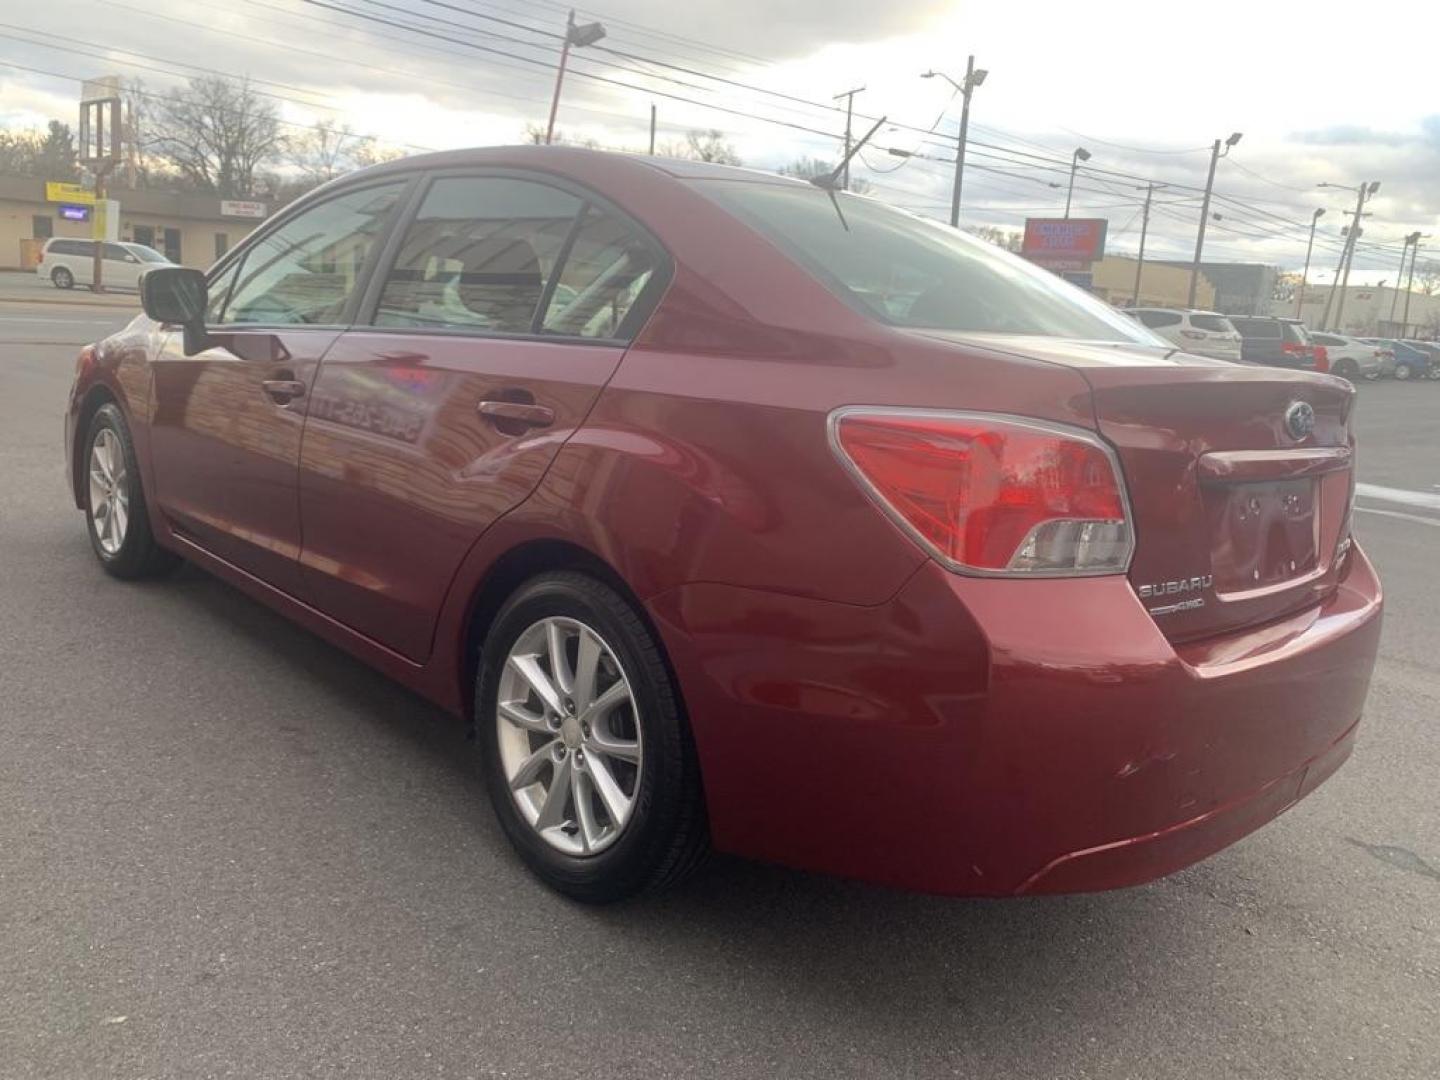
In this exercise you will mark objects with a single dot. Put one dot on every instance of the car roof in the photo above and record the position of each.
(573, 159)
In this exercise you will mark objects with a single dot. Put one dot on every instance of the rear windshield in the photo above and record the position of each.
(907, 271)
(1216, 324)
(1257, 328)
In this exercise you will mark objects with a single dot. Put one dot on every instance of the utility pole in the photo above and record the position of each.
(1144, 228)
(652, 129)
(1305, 274)
(1215, 156)
(1080, 154)
(849, 96)
(578, 35)
(1413, 238)
(973, 77)
(1410, 284)
(1347, 254)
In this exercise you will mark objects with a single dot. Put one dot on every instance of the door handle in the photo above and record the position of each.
(516, 412)
(283, 391)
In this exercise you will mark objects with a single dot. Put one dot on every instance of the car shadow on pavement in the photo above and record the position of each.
(891, 957)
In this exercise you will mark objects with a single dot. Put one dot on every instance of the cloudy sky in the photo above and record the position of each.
(1322, 92)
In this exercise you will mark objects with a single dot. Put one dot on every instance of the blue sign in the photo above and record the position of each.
(70, 212)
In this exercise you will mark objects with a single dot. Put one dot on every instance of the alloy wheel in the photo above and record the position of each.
(569, 736)
(109, 491)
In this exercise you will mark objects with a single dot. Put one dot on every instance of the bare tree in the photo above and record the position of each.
(1004, 238)
(1427, 276)
(807, 168)
(324, 152)
(218, 133)
(370, 151)
(711, 145)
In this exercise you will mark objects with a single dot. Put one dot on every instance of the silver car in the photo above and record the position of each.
(1352, 359)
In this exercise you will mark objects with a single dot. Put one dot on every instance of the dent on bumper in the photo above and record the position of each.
(987, 737)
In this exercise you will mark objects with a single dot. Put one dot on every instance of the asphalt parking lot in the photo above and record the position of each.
(229, 850)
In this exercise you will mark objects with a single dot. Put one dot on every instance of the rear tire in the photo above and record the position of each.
(115, 512)
(1403, 371)
(62, 278)
(647, 767)
(1347, 369)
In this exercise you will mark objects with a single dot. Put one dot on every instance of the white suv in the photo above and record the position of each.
(66, 263)
(1205, 333)
(1351, 358)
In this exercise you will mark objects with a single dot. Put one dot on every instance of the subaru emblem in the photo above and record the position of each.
(1299, 419)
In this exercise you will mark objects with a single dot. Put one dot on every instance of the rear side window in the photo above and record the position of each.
(606, 269)
(478, 255)
(1326, 339)
(71, 247)
(305, 271)
(1159, 318)
(1213, 324)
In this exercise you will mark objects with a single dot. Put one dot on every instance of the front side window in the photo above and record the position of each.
(306, 271)
(478, 255)
(908, 271)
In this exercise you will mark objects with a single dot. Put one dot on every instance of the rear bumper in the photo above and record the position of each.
(992, 737)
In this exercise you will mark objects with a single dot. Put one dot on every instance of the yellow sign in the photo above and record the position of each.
(68, 193)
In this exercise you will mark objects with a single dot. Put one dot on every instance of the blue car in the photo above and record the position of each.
(1410, 362)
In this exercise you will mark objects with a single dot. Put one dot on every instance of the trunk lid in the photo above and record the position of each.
(1238, 519)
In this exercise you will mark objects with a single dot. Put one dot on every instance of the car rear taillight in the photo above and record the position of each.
(1322, 358)
(84, 361)
(992, 494)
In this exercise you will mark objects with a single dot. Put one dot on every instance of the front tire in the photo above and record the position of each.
(62, 278)
(1347, 369)
(115, 513)
(584, 744)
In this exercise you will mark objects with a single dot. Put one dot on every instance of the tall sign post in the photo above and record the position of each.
(100, 151)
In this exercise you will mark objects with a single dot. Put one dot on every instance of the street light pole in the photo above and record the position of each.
(1413, 238)
(1215, 155)
(1144, 228)
(1410, 283)
(1080, 154)
(1347, 255)
(849, 96)
(578, 35)
(973, 77)
(1309, 246)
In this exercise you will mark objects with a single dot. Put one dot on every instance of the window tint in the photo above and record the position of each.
(607, 267)
(1159, 318)
(1295, 334)
(72, 247)
(147, 254)
(477, 255)
(1326, 339)
(905, 270)
(306, 270)
(1257, 328)
(116, 253)
(1215, 324)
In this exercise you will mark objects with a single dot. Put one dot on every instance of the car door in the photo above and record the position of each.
(226, 422)
(505, 306)
(122, 268)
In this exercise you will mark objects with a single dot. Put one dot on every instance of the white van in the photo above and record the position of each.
(66, 263)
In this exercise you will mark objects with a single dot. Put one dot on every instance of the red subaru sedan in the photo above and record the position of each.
(734, 513)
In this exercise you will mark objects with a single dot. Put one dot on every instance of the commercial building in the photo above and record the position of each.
(1240, 288)
(193, 230)
(1369, 311)
(1161, 284)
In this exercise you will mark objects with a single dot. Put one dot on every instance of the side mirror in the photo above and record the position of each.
(177, 295)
